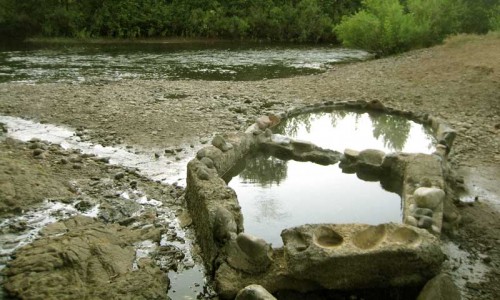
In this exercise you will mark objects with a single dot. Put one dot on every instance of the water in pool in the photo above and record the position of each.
(276, 194)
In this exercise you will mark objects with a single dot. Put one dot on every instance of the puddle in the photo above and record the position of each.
(180, 290)
(339, 130)
(189, 282)
(275, 194)
(164, 169)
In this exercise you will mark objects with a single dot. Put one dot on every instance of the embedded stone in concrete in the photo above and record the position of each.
(368, 256)
(249, 254)
(207, 162)
(299, 150)
(375, 105)
(371, 157)
(254, 292)
(440, 287)
(220, 143)
(224, 224)
(425, 222)
(447, 134)
(428, 197)
(351, 154)
(302, 146)
(265, 122)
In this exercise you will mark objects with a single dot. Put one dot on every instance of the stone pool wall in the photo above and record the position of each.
(323, 256)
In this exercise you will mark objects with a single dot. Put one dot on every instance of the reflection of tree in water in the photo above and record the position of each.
(429, 133)
(265, 170)
(292, 125)
(269, 209)
(392, 129)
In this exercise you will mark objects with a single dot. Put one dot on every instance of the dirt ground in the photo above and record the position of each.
(458, 81)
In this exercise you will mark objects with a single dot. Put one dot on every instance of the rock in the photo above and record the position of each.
(254, 292)
(35, 145)
(119, 175)
(250, 254)
(252, 246)
(83, 205)
(423, 212)
(352, 256)
(446, 134)
(428, 197)
(203, 173)
(227, 147)
(219, 142)
(440, 287)
(185, 219)
(302, 146)
(263, 122)
(375, 105)
(224, 224)
(371, 157)
(410, 220)
(91, 261)
(351, 154)
(425, 222)
(369, 164)
(208, 162)
(37, 152)
(169, 151)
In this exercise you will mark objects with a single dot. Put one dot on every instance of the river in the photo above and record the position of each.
(205, 60)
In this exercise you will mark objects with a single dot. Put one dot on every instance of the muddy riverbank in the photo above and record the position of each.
(458, 82)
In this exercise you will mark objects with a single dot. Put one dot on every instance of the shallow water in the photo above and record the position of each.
(207, 61)
(275, 194)
(163, 168)
(188, 283)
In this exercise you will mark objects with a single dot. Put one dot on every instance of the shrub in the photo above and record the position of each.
(494, 18)
(382, 27)
(387, 27)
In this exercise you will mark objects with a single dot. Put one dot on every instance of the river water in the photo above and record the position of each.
(81, 63)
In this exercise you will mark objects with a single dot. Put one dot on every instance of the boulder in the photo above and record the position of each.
(426, 197)
(250, 254)
(254, 292)
(90, 261)
(440, 287)
(357, 256)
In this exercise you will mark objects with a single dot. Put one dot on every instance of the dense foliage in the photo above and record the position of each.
(296, 20)
(391, 26)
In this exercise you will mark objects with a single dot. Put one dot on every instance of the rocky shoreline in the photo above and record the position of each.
(458, 82)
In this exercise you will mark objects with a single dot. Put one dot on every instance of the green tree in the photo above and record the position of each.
(265, 170)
